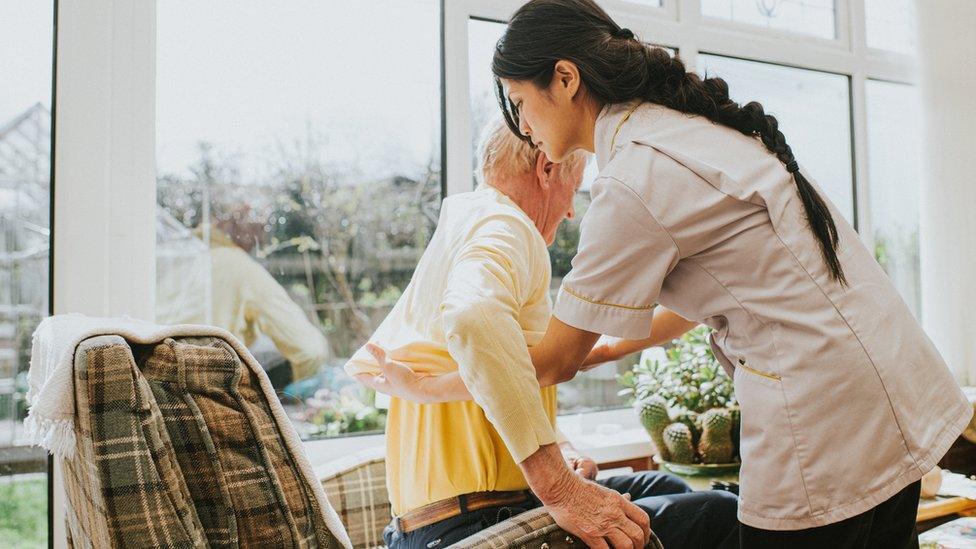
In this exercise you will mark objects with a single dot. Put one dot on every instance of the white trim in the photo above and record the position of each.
(104, 173)
(457, 106)
(859, 127)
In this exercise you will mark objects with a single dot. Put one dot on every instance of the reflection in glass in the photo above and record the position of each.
(26, 36)
(813, 17)
(894, 164)
(814, 113)
(298, 182)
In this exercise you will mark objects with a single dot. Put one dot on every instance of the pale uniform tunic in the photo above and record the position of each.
(844, 399)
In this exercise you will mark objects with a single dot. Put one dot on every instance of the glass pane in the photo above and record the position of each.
(894, 163)
(26, 56)
(814, 113)
(298, 181)
(596, 389)
(813, 17)
(891, 25)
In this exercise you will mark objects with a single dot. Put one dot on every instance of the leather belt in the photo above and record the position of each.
(452, 507)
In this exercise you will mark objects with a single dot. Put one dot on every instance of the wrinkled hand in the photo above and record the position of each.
(396, 379)
(601, 517)
(584, 467)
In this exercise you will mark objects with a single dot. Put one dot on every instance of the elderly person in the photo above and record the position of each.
(478, 299)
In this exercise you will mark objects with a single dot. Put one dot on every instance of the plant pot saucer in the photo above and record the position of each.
(698, 469)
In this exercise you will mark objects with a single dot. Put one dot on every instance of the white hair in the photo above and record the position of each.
(501, 153)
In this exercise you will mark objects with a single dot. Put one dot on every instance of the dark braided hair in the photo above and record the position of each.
(615, 67)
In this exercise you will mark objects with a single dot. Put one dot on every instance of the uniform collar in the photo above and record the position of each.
(609, 125)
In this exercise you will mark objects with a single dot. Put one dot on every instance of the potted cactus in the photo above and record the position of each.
(687, 404)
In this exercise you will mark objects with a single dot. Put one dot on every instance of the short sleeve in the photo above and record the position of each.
(623, 258)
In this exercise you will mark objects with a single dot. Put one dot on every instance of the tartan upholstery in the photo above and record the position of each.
(356, 486)
(180, 449)
(123, 488)
(205, 388)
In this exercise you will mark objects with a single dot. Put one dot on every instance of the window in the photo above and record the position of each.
(298, 183)
(813, 17)
(894, 157)
(814, 113)
(891, 25)
(26, 56)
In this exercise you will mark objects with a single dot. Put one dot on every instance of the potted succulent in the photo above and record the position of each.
(687, 404)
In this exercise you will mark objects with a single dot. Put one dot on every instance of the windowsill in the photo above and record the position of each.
(606, 437)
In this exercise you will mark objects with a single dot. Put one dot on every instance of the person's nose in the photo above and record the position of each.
(571, 213)
(524, 127)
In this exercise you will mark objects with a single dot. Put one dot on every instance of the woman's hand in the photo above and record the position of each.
(396, 379)
(601, 353)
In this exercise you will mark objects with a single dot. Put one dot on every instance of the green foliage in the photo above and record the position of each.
(678, 439)
(332, 413)
(686, 402)
(655, 418)
(563, 248)
(716, 440)
(23, 512)
(692, 420)
(689, 379)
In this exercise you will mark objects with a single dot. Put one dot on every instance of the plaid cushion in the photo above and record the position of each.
(195, 449)
(135, 495)
(356, 487)
(229, 480)
(206, 388)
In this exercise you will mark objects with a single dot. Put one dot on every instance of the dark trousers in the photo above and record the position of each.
(679, 517)
(890, 525)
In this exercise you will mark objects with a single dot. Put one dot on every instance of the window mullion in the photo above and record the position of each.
(689, 21)
(854, 10)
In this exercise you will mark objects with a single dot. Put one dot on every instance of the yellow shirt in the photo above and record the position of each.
(478, 298)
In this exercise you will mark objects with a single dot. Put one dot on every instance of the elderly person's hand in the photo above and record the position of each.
(599, 516)
(396, 379)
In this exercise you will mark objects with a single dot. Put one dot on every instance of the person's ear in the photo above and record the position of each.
(566, 77)
(544, 170)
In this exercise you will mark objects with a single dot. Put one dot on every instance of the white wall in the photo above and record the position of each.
(947, 221)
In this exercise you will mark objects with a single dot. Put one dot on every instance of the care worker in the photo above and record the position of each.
(702, 207)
